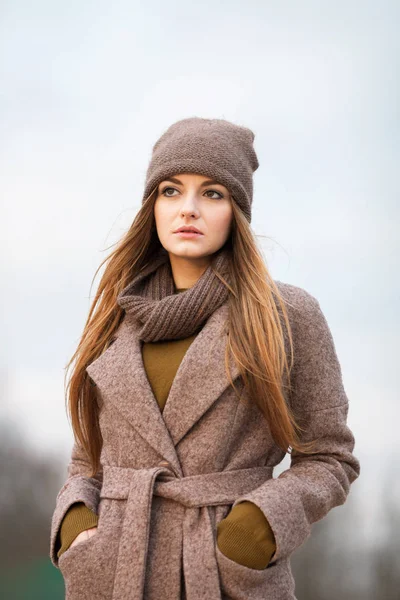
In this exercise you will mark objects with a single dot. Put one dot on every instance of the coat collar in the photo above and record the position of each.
(200, 380)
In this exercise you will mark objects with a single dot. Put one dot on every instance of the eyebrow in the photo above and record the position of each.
(207, 182)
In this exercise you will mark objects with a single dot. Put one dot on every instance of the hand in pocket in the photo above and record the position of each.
(84, 535)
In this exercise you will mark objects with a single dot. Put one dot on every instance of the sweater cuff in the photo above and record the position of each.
(245, 536)
(77, 519)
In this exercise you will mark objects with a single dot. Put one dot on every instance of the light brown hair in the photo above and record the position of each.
(256, 310)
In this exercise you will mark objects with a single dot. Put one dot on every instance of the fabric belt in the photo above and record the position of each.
(196, 493)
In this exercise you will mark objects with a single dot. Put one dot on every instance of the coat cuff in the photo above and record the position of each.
(312, 486)
(76, 489)
(283, 509)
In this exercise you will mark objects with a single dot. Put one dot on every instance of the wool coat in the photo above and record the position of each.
(167, 479)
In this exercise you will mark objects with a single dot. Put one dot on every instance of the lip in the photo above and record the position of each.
(188, 234)
(190, 228)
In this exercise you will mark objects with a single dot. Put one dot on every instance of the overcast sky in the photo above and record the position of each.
(86, 90)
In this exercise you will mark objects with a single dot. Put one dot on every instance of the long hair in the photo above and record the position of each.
(256, 310)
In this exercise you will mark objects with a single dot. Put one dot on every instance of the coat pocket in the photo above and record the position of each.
(88, 568)
(72, 550)
(239, 582)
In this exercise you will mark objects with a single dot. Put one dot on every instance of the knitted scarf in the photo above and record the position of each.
(163, 314)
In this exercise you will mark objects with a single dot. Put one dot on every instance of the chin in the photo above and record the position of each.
(191, 253)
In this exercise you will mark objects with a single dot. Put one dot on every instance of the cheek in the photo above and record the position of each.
(162, 213)
(220, 222)
(157, 210)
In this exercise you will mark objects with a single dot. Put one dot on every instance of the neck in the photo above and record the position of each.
(186, 272)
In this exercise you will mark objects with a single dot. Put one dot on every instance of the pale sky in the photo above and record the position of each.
(87, 89)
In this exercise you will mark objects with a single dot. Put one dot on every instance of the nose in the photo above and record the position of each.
(189, 205)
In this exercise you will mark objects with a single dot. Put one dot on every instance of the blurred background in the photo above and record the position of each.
(86, 90)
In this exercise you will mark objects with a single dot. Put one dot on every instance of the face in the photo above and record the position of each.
(190, 199)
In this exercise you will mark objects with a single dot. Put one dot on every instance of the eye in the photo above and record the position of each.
(214, 192)
(163, 192)
(167, 188)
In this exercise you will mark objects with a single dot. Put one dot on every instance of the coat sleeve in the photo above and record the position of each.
(78, 487)
(314, 483)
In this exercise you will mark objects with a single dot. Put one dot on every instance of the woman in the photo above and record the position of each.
(195, 374)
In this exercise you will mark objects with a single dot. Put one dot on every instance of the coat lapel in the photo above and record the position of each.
(200, 379)
(121, 378)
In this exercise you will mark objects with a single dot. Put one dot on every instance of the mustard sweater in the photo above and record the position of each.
(245, 535)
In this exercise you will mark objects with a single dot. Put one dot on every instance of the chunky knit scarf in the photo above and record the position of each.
(151, 299)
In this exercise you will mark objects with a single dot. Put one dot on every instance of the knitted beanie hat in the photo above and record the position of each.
(212, 147)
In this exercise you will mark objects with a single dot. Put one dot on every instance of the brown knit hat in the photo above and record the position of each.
(212, 147)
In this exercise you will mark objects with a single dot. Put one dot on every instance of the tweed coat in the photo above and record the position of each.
(167, 479)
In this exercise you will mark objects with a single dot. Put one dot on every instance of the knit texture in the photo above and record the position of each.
(78, 518)
(151, 301)
(216, 148)
(246, 537)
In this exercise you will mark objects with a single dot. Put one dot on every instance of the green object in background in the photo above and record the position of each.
(36, 580)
